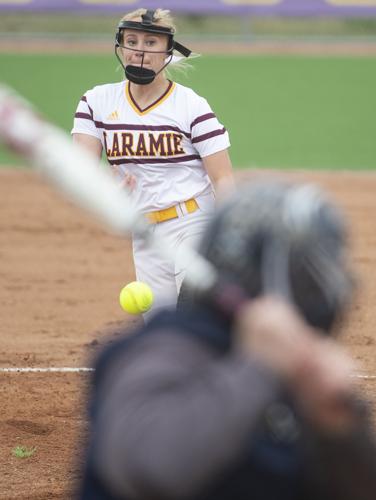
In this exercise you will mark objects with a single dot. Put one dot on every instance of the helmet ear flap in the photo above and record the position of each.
(180, 48)
(170, 45)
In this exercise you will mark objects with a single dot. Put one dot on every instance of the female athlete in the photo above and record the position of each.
(163, 142)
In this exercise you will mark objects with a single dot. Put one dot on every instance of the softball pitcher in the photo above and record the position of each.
(162, 141)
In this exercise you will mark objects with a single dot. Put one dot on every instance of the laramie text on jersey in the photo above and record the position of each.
(143, 144)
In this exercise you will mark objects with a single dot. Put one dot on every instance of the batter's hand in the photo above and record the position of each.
(315, 368)
(270, 330)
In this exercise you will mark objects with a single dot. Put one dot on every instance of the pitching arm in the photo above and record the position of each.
(90, 143)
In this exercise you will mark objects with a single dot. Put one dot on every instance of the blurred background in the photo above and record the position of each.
(292, 80)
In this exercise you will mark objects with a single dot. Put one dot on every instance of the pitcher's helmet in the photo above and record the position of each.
(148, 24)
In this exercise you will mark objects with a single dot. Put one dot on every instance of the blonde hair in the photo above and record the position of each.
(162, 17)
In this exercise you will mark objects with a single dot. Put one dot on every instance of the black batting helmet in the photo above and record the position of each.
(283, 239)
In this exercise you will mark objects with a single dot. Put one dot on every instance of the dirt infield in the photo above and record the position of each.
(61, 274)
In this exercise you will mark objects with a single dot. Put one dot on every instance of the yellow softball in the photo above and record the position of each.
(136, 297)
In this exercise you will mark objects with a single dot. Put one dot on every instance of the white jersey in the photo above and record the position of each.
(162, 145)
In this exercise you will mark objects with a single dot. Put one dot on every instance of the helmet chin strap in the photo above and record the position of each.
(139, 74)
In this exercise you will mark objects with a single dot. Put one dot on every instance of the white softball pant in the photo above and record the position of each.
(163, 276)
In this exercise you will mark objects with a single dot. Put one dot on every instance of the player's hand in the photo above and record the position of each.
(315, 368)
(128, 182)
(273, 332)
(325, 389)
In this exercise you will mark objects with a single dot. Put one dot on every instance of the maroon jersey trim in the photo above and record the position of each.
(202, 118)
(177, 159)
(209, 135)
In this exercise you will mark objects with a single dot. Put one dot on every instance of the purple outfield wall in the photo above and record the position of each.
(363, 8)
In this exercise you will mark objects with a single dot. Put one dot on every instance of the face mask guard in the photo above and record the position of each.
(139, 74)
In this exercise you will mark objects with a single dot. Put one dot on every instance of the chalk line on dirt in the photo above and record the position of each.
(67, 369)
(47, 369)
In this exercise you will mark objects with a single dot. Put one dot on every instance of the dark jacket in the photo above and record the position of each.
(178, 414)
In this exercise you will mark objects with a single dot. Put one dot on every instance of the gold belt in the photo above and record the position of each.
(172, 212)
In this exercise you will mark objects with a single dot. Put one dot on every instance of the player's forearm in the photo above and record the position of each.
(219, 169)
(89, 143)
(224, 186)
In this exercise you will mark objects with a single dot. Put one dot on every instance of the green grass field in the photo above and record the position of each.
(285, 112)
